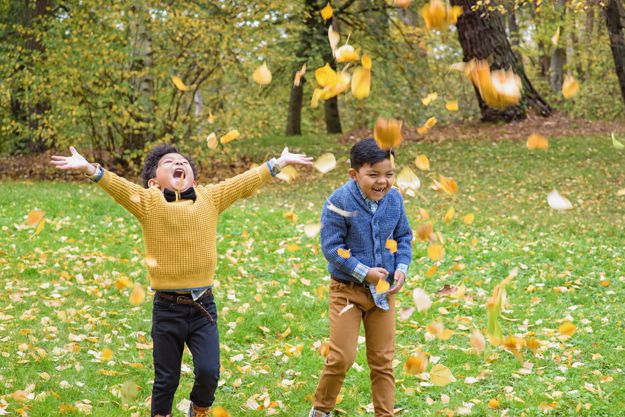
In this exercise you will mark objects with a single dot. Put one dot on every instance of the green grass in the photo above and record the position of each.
(59, 288)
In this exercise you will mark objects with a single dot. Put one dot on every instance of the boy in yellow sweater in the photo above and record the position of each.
(179, 222)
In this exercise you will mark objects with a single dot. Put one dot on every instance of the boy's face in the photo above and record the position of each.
(374, 180)
(174, 173)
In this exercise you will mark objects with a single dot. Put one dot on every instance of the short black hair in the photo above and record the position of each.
(154, 155)
(368, 152)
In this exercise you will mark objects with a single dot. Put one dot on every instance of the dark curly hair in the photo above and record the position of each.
(368, 152)
(154, 155)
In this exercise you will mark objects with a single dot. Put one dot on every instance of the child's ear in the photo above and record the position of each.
(153, 182)
(352, 173)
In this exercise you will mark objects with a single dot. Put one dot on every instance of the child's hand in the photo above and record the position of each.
(376, 274)
(288, 158)
(399, 282)
(76, 161)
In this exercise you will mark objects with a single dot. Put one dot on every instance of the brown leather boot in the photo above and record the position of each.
(197, 411)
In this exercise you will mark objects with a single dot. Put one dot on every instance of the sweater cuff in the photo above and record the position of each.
(360, 272)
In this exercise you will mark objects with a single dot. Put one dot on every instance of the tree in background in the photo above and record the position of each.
(615, 21)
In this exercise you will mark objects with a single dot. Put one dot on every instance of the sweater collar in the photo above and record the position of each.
(362, 198)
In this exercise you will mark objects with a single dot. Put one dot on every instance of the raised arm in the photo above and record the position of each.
(132, 197)
(243, 185)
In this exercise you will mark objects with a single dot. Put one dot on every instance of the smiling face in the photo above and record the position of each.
(173, 172)
(374, 180)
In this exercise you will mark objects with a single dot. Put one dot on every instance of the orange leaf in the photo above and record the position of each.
(387, 133)
(35, 217)
(416, 364)
(382, 286)
(567, 329)
(391, 245)
(344, 253)
(536, 141)
(137, 295)
(436, 252)
(326, 12)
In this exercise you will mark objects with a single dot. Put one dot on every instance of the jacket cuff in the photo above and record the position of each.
(360, 272)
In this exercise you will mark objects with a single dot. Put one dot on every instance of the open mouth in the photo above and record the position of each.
(179, 173)
(378, 189)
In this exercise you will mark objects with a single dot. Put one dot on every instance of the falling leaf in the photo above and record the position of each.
(478, 343)
(35, 217)
(346, 53)
(382, 287)
(429, 124)
(106, 354)
(387, 133)
(468, 219)
(326, 76)
(402, 3)
(436, 252)
(334, 38)
(441, 375)
(326, 12)
(39, 227)
(408, 181)
(499, 88)
(345, 309)
(449, 216)
(436, 328)
(416, 364)
(532, 344)
(422, 162)
(341, 85)
(220, 412)
(290, 215)
(615, 142)
(299, 74)
(567, 329)
(317, 94)
(493, 403)
(556, 37)
(262, 75)
(452, 105)
(405, 313)
(366, 61)
(340, 211)
(325, 163)
(361, 83)
(324, 349)
(311, 230)
(211, 117)
(137, 295)
(421, 299)
(424, 231)
(558, 202)
(429, 98)
(445, 184)
(391, 245)
(288, 174)
(180, 85)
(536, 141)
(494, 306)
(570, 86)
(229, 137)
(211, 140)
(344, 253)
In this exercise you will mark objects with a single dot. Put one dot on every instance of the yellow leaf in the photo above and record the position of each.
(441, 375)
(407, 181)
(262, 75)
(123, 282)
(422, 130)
(317, 94)
(211, 140)
(416, 364)
(229, 137)
(567, 329)
(452, 105)
(449, 216)
(342, 84)
(344, 253)
(298, 75)
(326, 12)
(424, 231)
(346, 53)
(422, 162)
(402, 3)
(290, 215)
(570, 87)
(536, 141)
(617, 143)
(361, 83)
(106, 354)
(35, 217)
(468, 219)
(445, 184)
(436, 252)
(326, 76)
(556, 37)
(493, 403)
(39, 227)
(211, 117)
(435, 15)
(137, 295)
(180, 85)
(288, 174)
(429, 98)
(325, 163)
(478, 343)
(366, 61)
(220, 412)
(382, 287)
(334, 38)
(391, 245)
(387, 133)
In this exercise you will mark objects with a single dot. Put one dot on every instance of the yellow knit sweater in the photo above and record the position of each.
(180, 237)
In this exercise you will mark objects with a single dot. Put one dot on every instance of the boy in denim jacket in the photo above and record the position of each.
(361, 217)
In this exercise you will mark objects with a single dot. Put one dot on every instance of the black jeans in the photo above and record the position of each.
(173, 325)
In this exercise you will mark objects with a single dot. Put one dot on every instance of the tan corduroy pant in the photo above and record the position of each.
(380, 342)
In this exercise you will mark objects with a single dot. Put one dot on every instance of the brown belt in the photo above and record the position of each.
(352, 284)
(189, 301)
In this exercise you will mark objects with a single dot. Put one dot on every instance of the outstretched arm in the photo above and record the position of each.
(132, 197)
(243, 185)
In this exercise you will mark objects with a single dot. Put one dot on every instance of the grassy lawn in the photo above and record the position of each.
(61, 308)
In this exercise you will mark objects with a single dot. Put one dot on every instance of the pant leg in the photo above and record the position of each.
(344, 331)
(380, 341)
(203, 342)
(169, 328)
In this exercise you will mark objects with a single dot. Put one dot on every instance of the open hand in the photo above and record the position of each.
(75, 162)
(399, 282)
(288, 158)
(375, 274)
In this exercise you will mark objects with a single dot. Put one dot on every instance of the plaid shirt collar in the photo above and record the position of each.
(373, 205)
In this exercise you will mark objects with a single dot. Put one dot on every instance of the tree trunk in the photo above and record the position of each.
(294, 120)
(482, 36)
(331, 106)
(615, 20)
(558, 56)
(513, 27)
